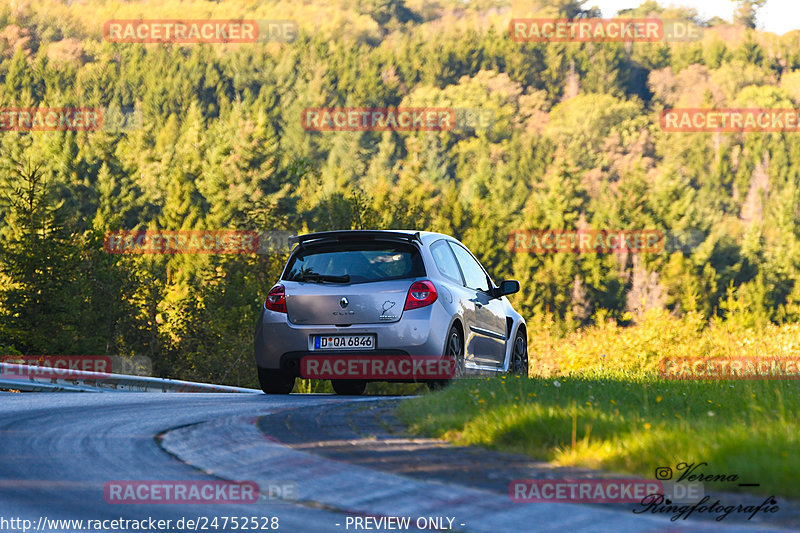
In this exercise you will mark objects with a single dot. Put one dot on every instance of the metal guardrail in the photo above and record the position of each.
(24, 378)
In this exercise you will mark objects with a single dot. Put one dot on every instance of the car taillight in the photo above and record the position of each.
(276, 299)
(420, 294)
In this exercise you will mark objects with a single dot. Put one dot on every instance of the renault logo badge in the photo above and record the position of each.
(343, 302)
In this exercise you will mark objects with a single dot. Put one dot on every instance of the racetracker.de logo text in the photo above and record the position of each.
(730, 120)
(582, 490)
(380, 367)
(177, 492)
(199, 31)
(378, 119)
(586, 241)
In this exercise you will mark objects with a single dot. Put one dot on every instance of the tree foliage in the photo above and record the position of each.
(553, 135)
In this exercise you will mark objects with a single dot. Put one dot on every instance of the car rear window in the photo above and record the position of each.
(364, 262)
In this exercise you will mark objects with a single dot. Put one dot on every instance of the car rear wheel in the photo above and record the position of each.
(519, 355)
(349, 387)
(454, 349)
(275, 381)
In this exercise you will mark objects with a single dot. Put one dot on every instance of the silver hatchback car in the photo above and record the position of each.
(356, 293)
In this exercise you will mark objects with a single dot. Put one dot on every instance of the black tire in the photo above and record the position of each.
(454, 348)
(349, 387)
(519, 355)
(274, 381)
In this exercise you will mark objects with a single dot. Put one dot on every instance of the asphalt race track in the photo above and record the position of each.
(60, 450)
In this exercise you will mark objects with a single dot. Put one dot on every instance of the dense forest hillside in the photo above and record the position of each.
(565, 135)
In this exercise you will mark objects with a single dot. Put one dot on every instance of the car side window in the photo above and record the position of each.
(446, 261)
(474, 276)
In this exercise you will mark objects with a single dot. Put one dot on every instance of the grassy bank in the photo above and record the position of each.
(618, 415)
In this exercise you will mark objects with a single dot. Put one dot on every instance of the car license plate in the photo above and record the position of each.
(344, 342)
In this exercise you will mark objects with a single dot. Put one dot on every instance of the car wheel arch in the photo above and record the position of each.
(521, 328)
(455, 323)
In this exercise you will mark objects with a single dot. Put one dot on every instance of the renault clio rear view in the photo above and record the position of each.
(385, 295)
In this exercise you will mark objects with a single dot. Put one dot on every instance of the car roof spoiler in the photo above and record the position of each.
(353, 234)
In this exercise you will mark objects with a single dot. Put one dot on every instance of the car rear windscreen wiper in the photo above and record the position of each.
(312, 276)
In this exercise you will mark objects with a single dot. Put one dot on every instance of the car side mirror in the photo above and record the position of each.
(508, 286)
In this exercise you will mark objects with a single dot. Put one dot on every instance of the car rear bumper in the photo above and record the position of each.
(291, 362)
(419, 332)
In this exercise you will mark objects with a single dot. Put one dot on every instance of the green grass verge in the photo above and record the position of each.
(627, 423)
